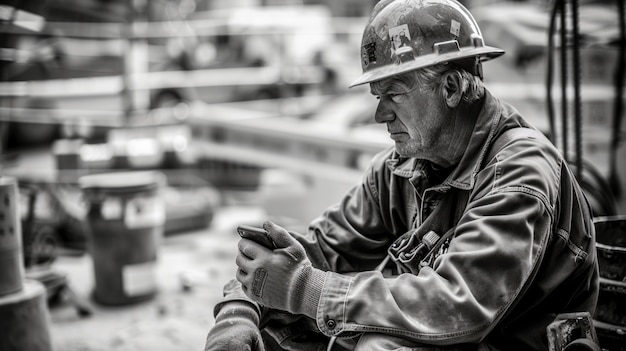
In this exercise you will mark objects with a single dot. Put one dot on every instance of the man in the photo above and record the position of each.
(470, 234)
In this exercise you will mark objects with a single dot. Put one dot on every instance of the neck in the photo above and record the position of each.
(462, 122)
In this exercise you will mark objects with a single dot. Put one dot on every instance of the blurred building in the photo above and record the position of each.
(346, 8)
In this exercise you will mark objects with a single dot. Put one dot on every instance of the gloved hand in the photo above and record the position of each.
(282, 278)
(236, 328)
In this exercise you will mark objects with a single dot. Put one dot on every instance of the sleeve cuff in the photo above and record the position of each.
(239, 309)
(308, 291)
(331, 310)
(234, 292)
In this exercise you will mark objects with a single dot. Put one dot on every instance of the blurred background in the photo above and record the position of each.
(193, 116)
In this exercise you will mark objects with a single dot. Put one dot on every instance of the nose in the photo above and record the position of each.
(383, 114)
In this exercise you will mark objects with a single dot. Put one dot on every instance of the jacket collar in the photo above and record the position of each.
(464, 174)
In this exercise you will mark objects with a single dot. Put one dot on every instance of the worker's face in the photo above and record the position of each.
(418, 120)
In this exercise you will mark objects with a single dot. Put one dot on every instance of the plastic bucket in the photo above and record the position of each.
(125, 220)
(11, 262)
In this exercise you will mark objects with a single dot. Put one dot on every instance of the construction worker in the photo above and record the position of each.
(471, 233)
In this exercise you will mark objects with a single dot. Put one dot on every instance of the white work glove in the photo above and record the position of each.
(282, 278)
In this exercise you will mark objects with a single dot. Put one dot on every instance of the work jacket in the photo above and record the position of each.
(519, 244)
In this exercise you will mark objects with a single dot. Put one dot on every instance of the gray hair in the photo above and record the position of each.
(431, 78)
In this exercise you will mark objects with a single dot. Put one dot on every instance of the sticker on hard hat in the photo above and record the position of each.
(455, 28)
(400, 36)
(368, 53)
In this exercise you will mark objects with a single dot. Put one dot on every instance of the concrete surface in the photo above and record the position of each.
(174, 319)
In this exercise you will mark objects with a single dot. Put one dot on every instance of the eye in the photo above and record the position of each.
(397, 98)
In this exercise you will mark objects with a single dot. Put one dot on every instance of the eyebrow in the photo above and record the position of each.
(391, 86)
(384, 89)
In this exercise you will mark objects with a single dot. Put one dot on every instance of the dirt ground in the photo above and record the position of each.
(176, 318)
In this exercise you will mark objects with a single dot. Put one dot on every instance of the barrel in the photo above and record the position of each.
(24, 319)
(11, 261)
(610, 315)
(125, 221)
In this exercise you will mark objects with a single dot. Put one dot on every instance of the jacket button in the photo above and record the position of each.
(331, 324)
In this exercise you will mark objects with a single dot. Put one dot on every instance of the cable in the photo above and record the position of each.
(577, 99)
(596, 188)
(331, 343)
(614, 180)
(564, 74)
(550, 72)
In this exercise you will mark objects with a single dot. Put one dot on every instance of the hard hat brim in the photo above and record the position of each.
(484, 53)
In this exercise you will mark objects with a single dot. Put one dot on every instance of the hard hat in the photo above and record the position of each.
(404, 35)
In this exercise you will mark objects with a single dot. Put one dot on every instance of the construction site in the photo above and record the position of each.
(136, 136)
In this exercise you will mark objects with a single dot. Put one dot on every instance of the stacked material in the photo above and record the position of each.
(610, 316)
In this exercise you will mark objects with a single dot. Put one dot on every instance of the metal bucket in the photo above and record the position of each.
(11, 261)
(611, 246)
(125, 217)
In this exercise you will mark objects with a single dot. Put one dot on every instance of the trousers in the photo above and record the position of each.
(311, 340)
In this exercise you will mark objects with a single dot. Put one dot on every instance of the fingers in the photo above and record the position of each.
(242, 277)
(243, 264)
(251, 249)
(248, 252)
(284, 241)
(279, 235)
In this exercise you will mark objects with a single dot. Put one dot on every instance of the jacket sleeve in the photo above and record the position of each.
(347, 237)
(354, 234)
(234, 293)
(497, 247)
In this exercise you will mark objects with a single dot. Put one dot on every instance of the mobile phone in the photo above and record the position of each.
(258, 235)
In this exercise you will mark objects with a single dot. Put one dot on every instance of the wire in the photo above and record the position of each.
(550, 72)
(331, 343)
(564, 120)
(614, 180)
(577, 99)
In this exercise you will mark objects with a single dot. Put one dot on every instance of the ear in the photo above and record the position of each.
(452, 91)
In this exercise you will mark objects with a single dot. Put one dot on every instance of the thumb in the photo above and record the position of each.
(279, 235)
